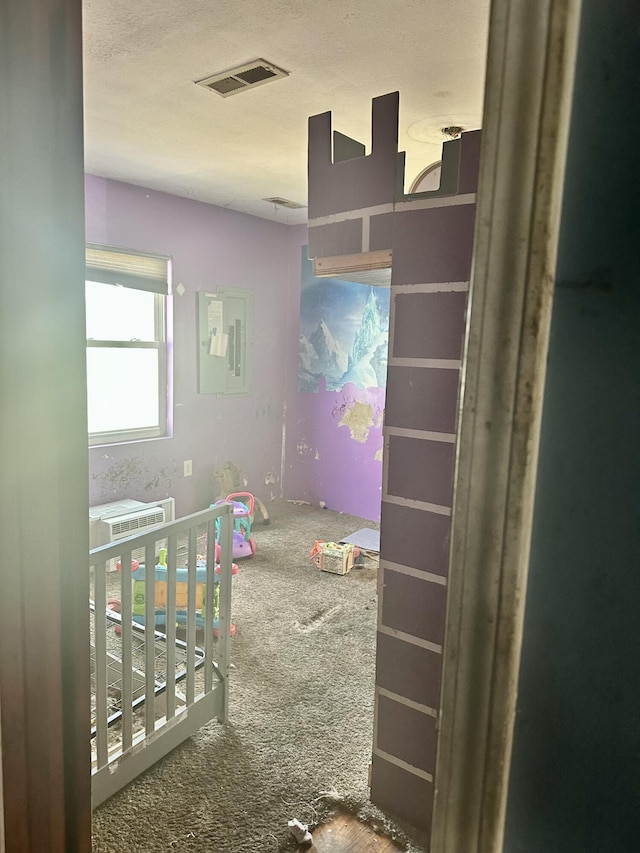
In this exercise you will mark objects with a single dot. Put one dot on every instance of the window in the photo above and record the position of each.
(126, 295)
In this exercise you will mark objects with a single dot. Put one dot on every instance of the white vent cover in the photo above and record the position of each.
(284, 202)
(243, 77)
(122, 526)
(119, 519)
(127, 525)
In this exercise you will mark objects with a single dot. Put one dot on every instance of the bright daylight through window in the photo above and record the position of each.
(126, 296)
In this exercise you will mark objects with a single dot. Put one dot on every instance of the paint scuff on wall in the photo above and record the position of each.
(122, 476)
(359, 418)
(305, 449)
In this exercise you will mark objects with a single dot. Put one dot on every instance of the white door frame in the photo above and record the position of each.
(531, 59)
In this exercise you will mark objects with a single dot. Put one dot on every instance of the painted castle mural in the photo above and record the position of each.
(344, 333)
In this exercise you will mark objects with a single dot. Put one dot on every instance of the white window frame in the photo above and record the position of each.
(138, 271)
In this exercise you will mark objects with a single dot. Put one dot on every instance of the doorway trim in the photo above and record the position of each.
(531, 59)
(44, 620)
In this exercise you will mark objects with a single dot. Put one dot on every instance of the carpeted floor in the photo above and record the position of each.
(298, 742)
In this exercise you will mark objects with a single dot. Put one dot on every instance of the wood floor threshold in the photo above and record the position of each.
(346, 834)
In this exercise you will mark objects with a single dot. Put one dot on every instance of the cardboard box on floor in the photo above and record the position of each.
(334, 557)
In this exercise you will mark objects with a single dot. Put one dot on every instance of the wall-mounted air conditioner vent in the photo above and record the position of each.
(243, 77)
(117, 520)
(127, 525)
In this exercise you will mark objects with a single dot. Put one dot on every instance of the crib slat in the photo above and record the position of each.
(191, 614)
(100, 674)
(171, 626)
(150, 638)
(224, 620)
(209, 606)
(126, 650)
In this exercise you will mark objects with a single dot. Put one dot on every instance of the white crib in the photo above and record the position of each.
(151, 688)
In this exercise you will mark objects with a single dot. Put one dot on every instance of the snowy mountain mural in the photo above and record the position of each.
(344, 331)
(368, 357)
(320, 355)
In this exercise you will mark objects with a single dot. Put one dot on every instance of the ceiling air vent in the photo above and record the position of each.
(284, 202)
(243, 77)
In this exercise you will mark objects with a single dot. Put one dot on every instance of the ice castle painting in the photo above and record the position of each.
(344, 332)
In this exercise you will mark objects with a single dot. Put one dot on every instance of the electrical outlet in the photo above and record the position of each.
(188, 467)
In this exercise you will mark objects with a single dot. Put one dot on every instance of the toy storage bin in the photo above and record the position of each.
(334, 557)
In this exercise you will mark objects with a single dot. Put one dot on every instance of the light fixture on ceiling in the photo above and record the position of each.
(442, 128)
(243, 77)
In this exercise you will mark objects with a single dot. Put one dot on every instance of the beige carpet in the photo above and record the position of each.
(299, 738)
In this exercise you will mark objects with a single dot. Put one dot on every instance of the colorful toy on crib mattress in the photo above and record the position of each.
(181, 595)
(243, 543)
(134, 565)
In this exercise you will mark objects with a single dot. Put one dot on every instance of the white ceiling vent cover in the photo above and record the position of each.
(243, 77)
(284, 202)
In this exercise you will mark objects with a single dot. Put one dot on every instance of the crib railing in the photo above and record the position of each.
(158, 671)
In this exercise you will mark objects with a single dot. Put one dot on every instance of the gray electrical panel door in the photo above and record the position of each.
(225, 342)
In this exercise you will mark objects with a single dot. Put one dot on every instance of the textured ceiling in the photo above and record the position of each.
(148, 124)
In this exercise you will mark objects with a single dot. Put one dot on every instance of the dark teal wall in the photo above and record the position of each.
(575, 782)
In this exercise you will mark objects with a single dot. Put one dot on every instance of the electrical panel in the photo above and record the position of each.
(225, 342)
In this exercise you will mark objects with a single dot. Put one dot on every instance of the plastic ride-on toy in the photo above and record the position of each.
(243, 509)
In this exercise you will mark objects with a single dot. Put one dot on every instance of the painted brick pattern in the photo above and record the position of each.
(406, 733)
(420, 470)
(432, 325)
(414, 606)
(433, 245)
(402, 792)
(431, 238)
(337, 238)
(404, 533)
(408, 670)
(420, 399)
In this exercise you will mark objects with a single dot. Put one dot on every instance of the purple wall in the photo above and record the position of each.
(324, 460)
(338, 464)
(209, 247)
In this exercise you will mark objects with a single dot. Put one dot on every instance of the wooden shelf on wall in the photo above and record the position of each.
(367, 267)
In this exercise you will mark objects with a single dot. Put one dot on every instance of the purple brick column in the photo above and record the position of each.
(432, 247)
(431, 266)
(353, 210)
